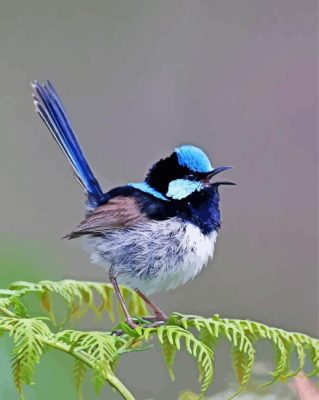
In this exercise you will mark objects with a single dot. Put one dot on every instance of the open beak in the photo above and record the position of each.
(218, 170)
(215, 171)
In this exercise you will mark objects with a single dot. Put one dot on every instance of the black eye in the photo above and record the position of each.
(191, 177)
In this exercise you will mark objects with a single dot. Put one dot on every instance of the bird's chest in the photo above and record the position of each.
(156, 256)
(192, 253)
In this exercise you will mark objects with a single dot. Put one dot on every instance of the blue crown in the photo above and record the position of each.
(193, 158)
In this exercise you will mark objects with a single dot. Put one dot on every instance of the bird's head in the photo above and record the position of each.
(185, 171)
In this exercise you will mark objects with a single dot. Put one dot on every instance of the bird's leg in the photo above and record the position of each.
(118, 293)
(159, 315)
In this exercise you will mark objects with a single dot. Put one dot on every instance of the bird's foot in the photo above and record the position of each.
(158, 317)
(155, 324)
(161, 317)
(149, 318)
(157, 320)
(131, 323)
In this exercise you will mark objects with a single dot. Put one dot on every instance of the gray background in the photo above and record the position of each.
(237, 78)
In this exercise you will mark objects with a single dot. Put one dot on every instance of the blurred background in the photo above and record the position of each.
(139, 77)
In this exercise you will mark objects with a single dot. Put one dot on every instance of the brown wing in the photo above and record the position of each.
(119, 212)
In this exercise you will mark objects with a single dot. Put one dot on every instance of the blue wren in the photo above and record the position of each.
(152, 235)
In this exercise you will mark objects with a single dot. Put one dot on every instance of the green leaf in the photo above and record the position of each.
(313, 348)
(100, 351)
(194, 347)
(169, 354)
(242, 364)
(79, 372)
(28, 348)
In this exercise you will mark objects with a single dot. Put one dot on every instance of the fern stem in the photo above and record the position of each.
(7, 312)
(100, 350)
(111, 378)
(118, 385)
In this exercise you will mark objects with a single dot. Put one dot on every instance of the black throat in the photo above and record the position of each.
(200, 208)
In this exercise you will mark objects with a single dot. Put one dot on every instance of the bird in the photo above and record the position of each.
(152, 235)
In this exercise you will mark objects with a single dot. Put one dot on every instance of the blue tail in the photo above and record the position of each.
(49, 106)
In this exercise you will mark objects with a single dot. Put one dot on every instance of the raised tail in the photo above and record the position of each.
(49, 106)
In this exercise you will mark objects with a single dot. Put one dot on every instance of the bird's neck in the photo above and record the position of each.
(201, 209)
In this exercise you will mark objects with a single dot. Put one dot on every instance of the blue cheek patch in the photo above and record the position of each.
(146, 188)
(181, 188)
(193, 158)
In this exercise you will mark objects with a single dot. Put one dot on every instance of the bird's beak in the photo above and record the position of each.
(215, 171)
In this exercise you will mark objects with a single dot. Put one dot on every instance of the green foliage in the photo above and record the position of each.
(98, 352)
(28, 347)
(173, 335)
(79, 372)
(169, 354)
(80, 297)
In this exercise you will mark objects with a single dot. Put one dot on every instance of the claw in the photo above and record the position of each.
(155, 324)
(161, 317)
(149, 318)
(131, 323)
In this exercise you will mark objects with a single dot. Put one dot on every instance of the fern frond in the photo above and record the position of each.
(169, 354)
(284, 344)
(100, 348)
(5, 302)
(313, 349)
(301, 356)
(79, 372)
(206, 337)
(202, 354)
(243, 365)
(214, 328)
(99, 351)
(28, 348)
(19, 308)
(106, 294)
(80, 297)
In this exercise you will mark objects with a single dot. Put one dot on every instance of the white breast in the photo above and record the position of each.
(157, 256)
(198, 249)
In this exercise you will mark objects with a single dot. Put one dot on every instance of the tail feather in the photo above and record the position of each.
(49, 106)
